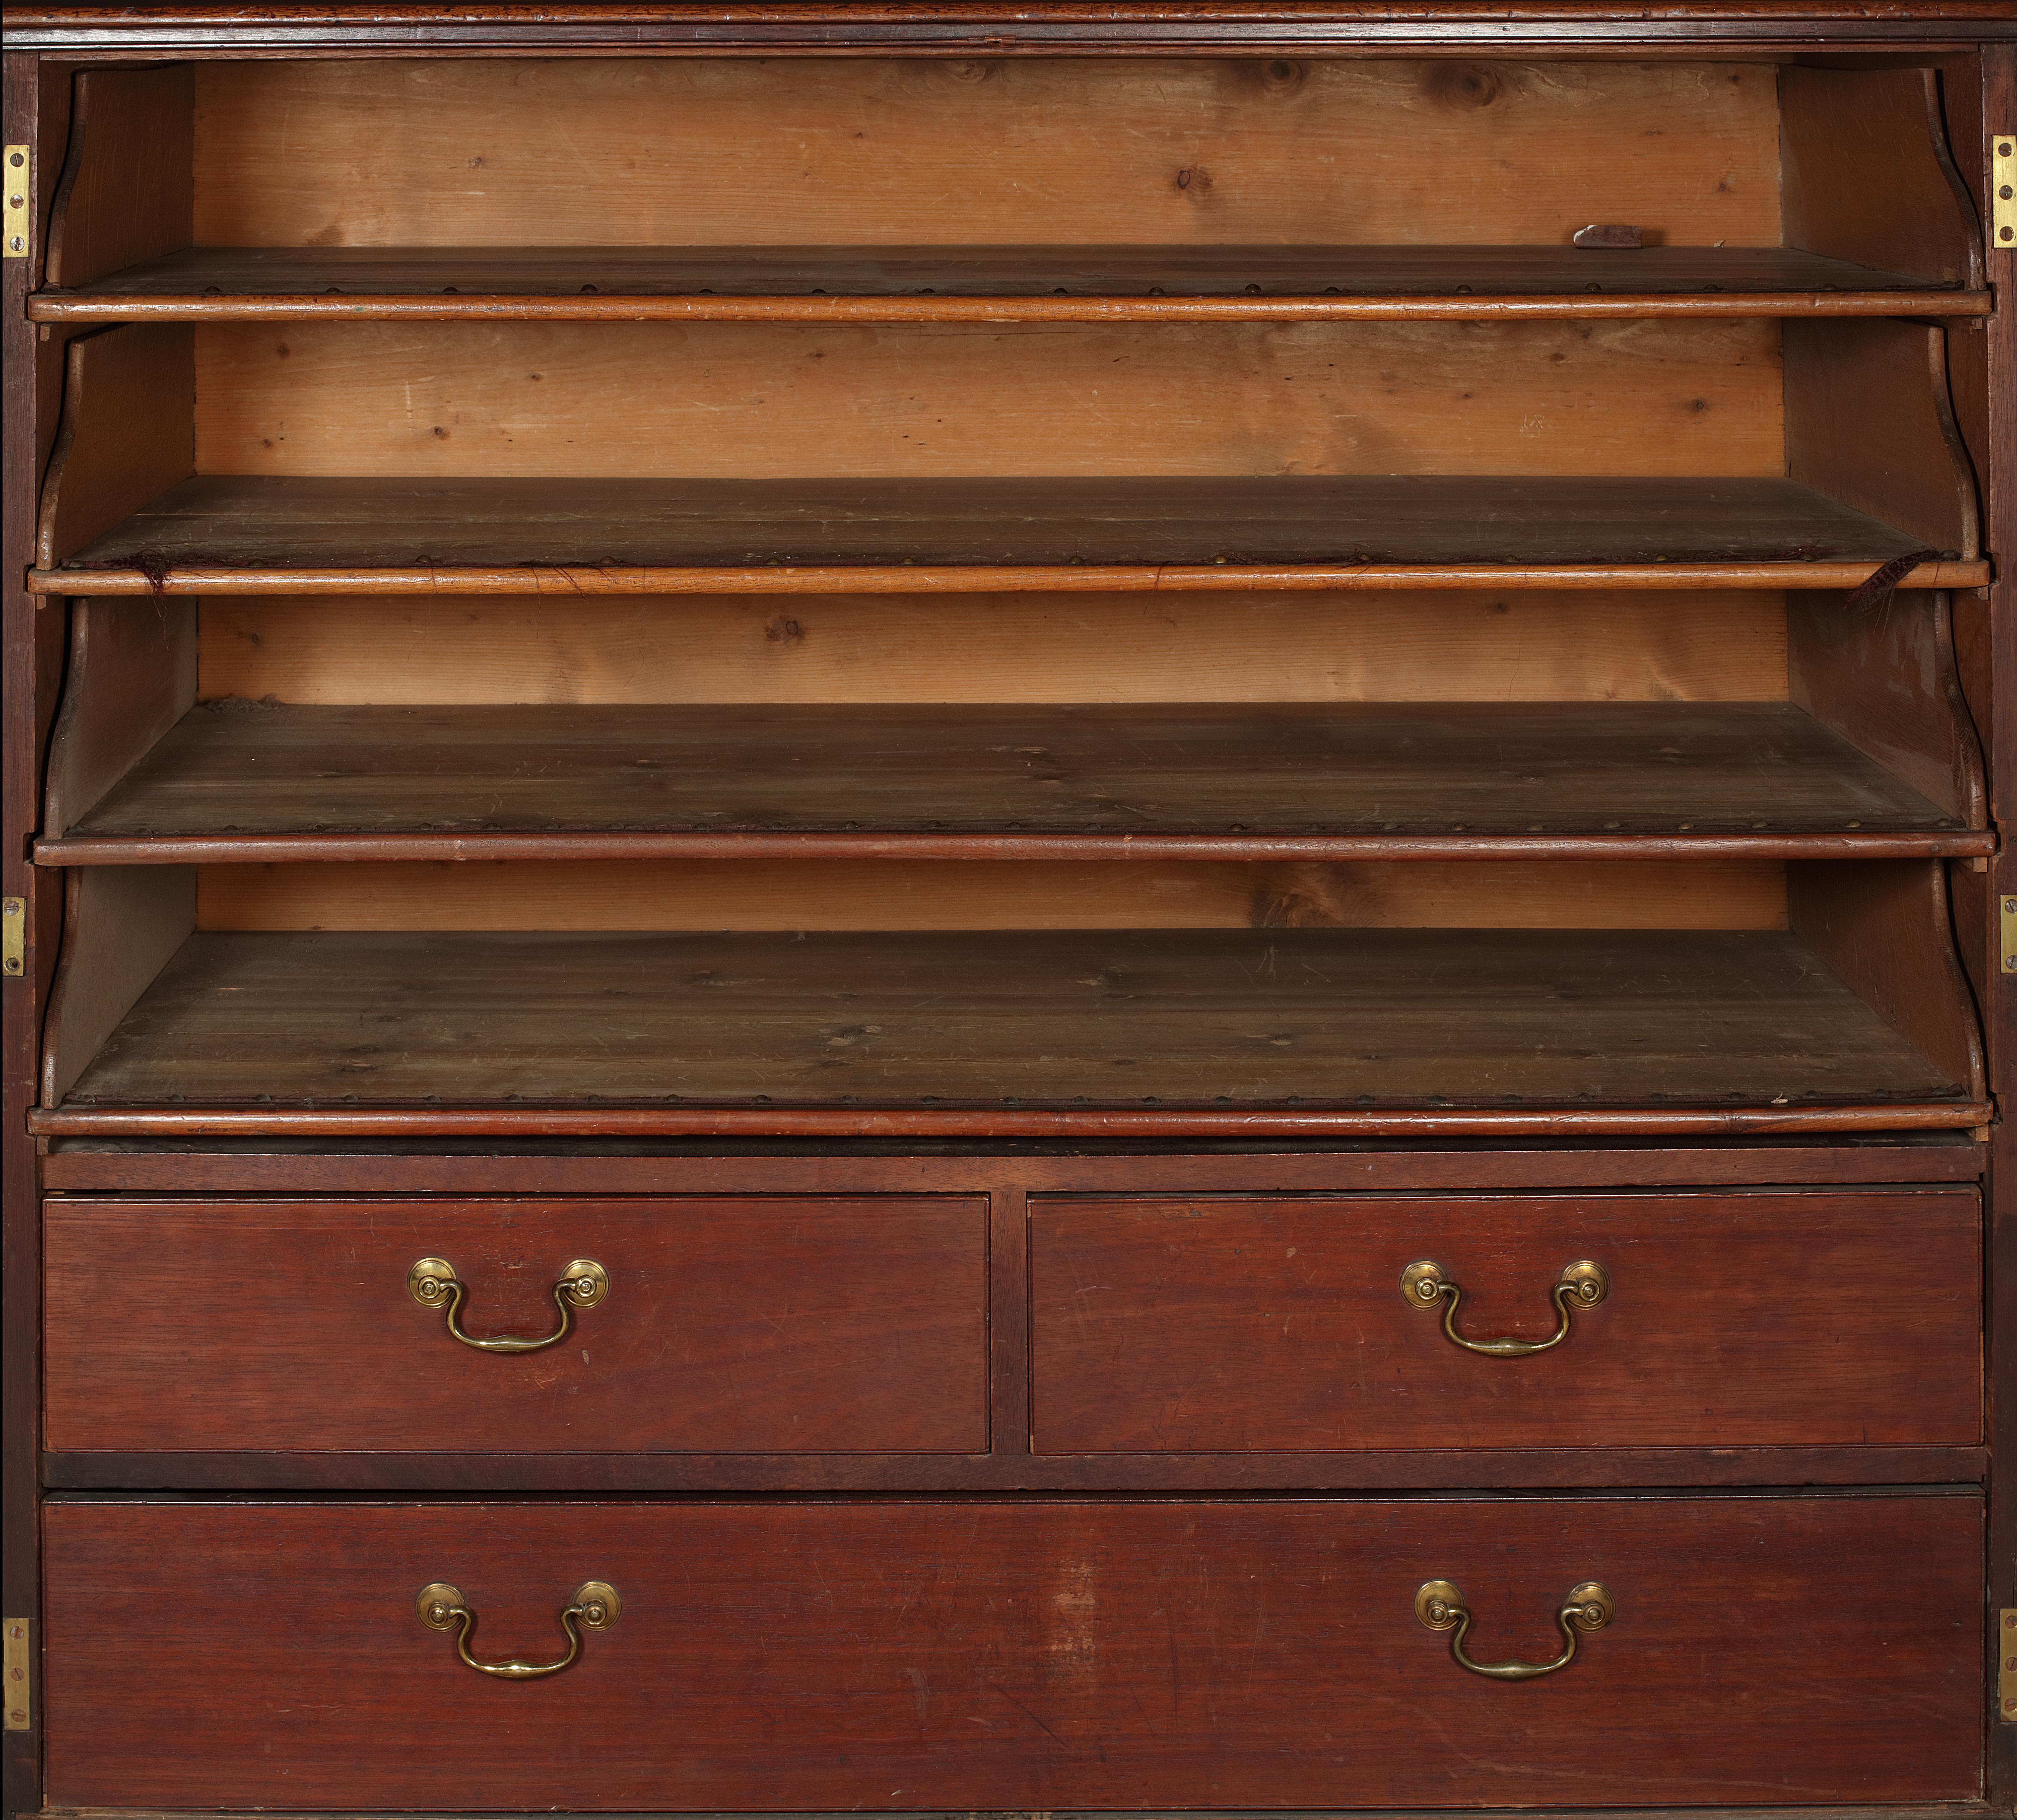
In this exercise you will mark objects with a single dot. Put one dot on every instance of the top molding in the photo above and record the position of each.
(954, 27)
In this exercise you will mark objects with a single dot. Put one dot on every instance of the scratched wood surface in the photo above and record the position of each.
(1221, 1326)
(1035, 1655)
(353, 524)
(1121, 1017)
(929, 283)
(1641, 767)
(817, 1324)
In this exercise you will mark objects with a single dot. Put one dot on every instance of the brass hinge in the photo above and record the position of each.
(16, 1671)
(14, 935)
(2003, 189)
(18, 194)
(2009, 922)
(2006, 1667)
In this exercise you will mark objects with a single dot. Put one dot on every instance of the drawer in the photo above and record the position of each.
(817, 1324)
(1204, 1325)
(990, 1655)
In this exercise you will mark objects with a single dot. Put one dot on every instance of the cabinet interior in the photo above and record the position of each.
(525, 518)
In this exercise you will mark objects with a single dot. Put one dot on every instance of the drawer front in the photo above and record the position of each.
(1202, 1325)
(820, 1325)
(992, 1654)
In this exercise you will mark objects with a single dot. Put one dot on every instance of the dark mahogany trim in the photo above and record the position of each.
(777, 1169)
(1667, 577)
(1943, 1810)
(293, 848)
(1998, 992)
(787, 1121)
(85, 306)
(1427, 1469)
(953, 29)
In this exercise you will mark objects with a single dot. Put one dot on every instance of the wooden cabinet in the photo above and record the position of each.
(1006, 908)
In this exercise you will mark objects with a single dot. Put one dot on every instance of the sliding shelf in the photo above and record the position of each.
(234, 780)
(238, 534)
(1266, 1032)
(921, 284)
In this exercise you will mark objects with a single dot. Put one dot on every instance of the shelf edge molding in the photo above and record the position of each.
(962, 578)
(88, 849)
(1799, 305)
(789, 1121)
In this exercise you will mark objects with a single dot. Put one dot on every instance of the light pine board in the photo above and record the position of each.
(587, 151)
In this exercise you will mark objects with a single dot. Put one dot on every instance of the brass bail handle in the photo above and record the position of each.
(594, 1603)
(1425, 1283)
(433, 1283)
(1588, 1608)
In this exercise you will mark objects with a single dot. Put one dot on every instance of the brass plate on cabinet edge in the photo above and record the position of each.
(16, 1672)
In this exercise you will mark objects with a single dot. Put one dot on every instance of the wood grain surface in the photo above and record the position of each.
(1887, 929)
(885, 891)
(1503, 645)
(816, 1325)
(126, 922)
(1889, 681)
(1870, 423)
(263, 768)
(962, 283)
(128, 189)
(274, 1165)
(1212, 150)
(131, 677)
(821, 402)
(1502, 1019)
(1035, 1655)
(360, 525)
(1239, 1324)
(127, 433)
(1868, 174)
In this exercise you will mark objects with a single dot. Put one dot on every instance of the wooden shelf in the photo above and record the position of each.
(993, 284)
(1279, 1030)
(224, 533)
(238, 780)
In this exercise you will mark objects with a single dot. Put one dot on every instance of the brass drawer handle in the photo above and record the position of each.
(594, 1603)
(1589, 1607)
(433, 1283)
(1583, 1284)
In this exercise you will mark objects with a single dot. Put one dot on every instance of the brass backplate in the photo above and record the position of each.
(1437, 1603)
(437, 1603)
(598, 1604)
(1594, 1606)
(17, 1672)
(13, 936)
(2003, 189)
(2006, 1667)
(19, 198)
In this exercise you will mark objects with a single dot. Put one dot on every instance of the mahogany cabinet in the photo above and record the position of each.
(1009, 908)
